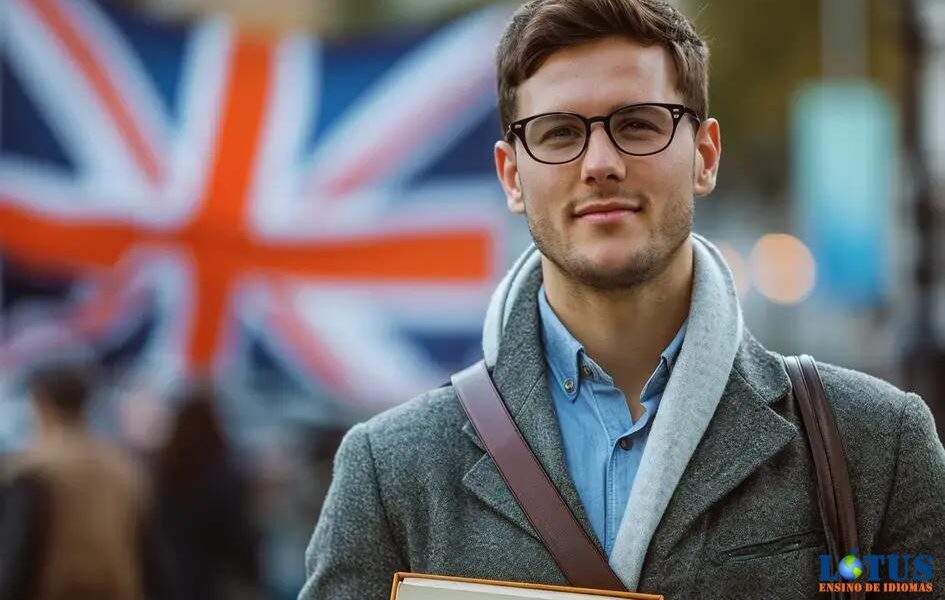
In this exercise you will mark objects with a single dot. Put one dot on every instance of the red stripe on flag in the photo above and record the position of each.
(227, 195)
(104, 87)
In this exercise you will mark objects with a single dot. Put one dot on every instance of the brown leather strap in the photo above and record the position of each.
(572, 549)
(834, 492)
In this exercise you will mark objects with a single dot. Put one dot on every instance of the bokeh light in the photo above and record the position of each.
(783, 268)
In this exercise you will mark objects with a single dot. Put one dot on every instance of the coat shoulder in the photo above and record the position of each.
(418, 454)
(427, 423)
(867, 408)
(871, 415)
(851, 390)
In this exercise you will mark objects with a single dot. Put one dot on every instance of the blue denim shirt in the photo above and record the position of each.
(602, 444)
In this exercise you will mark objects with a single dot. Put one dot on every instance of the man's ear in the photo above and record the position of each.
(506, 168)
(708, 153)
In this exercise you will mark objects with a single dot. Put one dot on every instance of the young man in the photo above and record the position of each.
(619, 348)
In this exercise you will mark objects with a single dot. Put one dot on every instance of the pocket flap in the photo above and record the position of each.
(773, 547)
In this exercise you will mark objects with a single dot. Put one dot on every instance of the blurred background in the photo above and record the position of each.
(294, 204)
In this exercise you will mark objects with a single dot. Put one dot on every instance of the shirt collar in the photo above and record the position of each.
(671, 353)
(564, 353)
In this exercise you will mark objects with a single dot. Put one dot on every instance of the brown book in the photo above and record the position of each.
(419, 586)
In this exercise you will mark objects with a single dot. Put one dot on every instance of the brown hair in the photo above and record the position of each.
(540, 28)
(196, 441)
(65, 386)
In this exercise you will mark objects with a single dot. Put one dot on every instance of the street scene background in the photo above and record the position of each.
(294, 204)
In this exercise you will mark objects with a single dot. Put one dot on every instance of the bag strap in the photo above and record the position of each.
(575, 553)
(834, 492)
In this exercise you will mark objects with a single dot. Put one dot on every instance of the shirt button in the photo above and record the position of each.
(568, 384)
(626, 443)
(586, 370)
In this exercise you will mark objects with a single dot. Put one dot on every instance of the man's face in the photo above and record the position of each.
(652, 196)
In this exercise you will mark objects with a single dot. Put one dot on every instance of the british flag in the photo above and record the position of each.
(268, 210)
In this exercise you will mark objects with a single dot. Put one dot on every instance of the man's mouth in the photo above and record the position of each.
(607, 211)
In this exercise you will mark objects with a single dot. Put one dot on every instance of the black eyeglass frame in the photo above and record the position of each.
(677, 111)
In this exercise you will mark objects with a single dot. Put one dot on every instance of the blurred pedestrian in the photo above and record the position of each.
(204, 505)
(76, 522)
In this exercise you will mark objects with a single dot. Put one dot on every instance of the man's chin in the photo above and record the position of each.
(611, 274)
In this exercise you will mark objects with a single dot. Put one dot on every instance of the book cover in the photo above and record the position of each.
(421, 586)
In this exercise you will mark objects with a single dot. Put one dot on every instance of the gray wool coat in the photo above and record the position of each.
(415, 491)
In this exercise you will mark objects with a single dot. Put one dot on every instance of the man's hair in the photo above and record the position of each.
(65, 387)
(540, 28)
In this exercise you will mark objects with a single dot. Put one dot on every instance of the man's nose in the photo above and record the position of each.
(602, 161)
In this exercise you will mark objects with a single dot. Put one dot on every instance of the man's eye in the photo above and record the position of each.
(561, 133)
(638, 125)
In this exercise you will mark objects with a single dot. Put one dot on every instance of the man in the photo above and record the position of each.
(619, 348)
(74, 521)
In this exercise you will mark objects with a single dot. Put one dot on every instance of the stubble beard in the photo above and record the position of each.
(638, 268)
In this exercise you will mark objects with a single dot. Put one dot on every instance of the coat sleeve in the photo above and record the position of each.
(914, 522)
(352, 554)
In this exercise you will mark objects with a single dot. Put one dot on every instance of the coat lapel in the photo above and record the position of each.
(744, 432)
(520, 377)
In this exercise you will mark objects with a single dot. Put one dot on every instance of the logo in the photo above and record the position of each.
(876, 573)
(850, 567)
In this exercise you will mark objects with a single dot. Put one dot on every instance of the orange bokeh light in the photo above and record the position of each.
(783, 268)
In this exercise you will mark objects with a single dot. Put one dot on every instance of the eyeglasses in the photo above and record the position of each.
(638, 129)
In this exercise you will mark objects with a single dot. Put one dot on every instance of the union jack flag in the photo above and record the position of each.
(264, 209)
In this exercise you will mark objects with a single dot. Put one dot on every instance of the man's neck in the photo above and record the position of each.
(625, 331)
